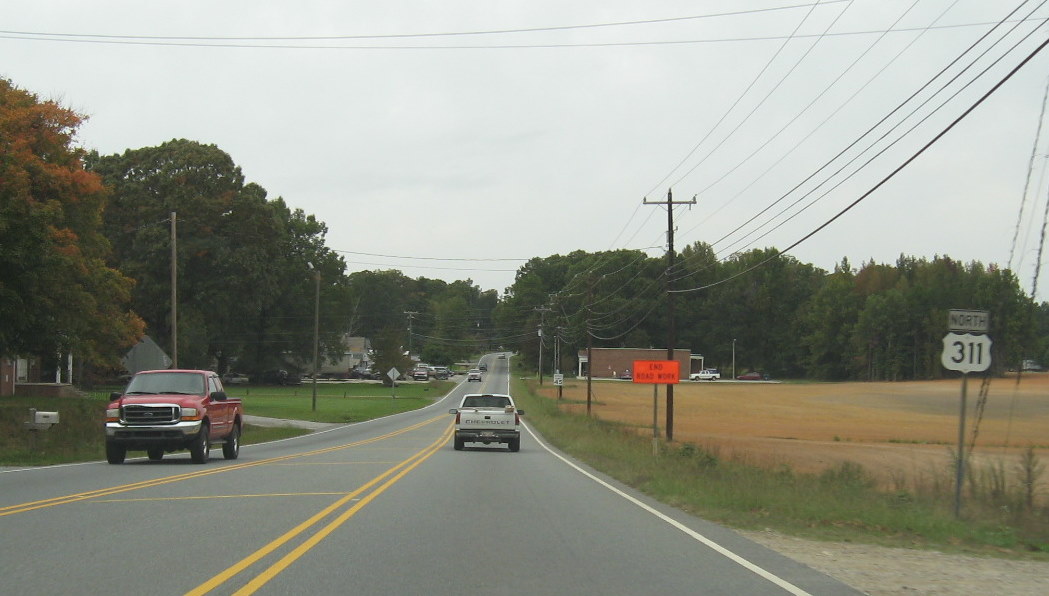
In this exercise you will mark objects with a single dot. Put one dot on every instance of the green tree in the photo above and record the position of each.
(829, 319)
(390, 354)
(57, 293)
(246, 264)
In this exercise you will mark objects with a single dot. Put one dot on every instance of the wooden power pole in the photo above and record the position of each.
(671, 326)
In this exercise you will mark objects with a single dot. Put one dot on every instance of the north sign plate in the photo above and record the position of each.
(976, 321)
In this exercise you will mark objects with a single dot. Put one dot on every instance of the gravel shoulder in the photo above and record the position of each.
(883, 571)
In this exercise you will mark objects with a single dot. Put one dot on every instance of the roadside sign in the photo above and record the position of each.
(393, 373)
(976, 321)
(660, 372)
(965, 352)
(559, 379)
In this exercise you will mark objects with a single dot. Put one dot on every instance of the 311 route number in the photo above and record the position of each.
(965, 352)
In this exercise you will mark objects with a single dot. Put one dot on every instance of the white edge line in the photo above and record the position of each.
(789, 587)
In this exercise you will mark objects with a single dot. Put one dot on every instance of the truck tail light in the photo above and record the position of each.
(517, 419)
(458, 417)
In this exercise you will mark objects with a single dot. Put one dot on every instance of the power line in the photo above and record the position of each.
(432, 34)
(473, 259)
(892, 174)
(869, 131)
(56, 37)
(739, 98)
(1030, 170)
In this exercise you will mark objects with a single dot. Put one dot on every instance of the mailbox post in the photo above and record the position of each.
(37, 422)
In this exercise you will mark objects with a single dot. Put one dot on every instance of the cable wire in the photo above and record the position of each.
(892, 174)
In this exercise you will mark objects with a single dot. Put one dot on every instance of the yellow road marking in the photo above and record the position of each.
(404, 467)
(337, 463)
(104, 492)
(315, 494)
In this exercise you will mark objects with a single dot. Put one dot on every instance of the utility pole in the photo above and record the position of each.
(589, 346)
(174, 295)
(557, 359)
(671, 326)
(411, 315)
(542, 319)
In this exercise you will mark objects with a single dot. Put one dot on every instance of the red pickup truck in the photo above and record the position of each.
(162, 411)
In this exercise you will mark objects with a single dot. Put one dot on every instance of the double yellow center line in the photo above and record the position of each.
(387, 479)
(113, 490)
(372, 489)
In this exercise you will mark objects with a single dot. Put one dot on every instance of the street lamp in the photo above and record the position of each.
(316, 331)
(733, 358)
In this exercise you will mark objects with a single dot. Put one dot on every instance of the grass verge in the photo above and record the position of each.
(78, 436)
(840, 504)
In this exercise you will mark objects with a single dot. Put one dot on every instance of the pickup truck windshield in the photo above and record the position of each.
(486, 401)
(173, 382)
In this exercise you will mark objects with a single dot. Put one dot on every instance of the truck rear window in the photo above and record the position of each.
(486, 401)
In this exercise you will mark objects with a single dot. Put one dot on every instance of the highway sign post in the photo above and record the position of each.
(656, 373)
(393, 373)
(965, 353)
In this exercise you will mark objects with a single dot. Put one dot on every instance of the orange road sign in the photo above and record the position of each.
(659, 372)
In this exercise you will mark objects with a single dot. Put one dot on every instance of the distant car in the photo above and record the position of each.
(235, 378)
(626, 376)
(502, 356)
(421, 374)
(752, 376)
(474, 375)
(483, 367)
(707, 374)
(281, 377)
(441, 373)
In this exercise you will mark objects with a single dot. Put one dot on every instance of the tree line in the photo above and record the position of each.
(771, 313)
(86, 257)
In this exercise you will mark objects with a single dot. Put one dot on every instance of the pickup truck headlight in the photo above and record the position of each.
(190, 414)
(112, 414)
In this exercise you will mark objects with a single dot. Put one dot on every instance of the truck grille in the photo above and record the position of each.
(160, 414)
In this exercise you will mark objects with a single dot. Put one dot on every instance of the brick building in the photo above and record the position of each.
(611, 363)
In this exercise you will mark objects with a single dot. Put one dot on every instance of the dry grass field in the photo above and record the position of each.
(903, 433)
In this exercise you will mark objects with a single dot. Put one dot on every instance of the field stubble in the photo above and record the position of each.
(904, 434)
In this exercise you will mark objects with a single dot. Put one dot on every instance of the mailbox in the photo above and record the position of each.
(45, 417)
(41, 420)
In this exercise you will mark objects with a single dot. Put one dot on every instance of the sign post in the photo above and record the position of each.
(966, 353)
(656, 373)
(393, 373)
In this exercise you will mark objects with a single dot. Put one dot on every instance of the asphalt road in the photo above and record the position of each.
(383, 507)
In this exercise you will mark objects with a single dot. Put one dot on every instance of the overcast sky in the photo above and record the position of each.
(535, 131)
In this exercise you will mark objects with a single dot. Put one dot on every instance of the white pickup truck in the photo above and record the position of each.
(487, 418)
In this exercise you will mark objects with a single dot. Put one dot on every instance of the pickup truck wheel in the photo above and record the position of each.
(459, 444)
(231, 448)
(200, 450)
(155, 454)
(514, 445)
(115, 454)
